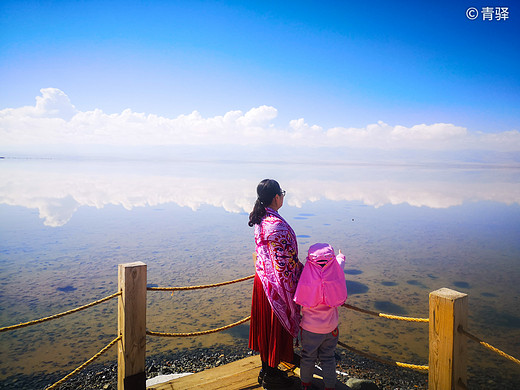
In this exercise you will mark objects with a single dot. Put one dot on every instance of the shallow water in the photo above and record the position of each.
(406, 231)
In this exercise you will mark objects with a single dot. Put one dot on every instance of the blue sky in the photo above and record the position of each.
(328, 64)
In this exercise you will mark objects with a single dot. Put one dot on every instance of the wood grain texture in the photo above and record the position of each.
(447, 349)
(132, 326)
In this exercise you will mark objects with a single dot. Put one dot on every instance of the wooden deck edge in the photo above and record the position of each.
(238, 375)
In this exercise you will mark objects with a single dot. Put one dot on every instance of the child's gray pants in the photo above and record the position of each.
(322, 346)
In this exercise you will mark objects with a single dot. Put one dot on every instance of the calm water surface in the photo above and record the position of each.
(406, 231)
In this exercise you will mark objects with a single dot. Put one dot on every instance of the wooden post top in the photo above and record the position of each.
(134, 264)
(448, 293)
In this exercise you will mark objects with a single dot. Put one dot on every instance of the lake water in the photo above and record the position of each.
(406, 231)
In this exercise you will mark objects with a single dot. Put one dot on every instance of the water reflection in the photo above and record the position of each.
(396, 254)
(57, 189)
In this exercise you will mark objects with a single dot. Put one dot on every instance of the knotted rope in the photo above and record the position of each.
(383, 315)
(96, 356)
(199, 287)
(488, 346)
(53, 317)
(148, 332)
(378, 359)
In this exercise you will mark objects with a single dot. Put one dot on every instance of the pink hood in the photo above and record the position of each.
(322, 285)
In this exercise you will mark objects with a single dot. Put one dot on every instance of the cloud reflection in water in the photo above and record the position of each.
(58, 189)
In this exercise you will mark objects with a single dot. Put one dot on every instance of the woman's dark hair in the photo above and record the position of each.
(266, 191)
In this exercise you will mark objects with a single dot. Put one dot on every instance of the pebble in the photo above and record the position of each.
(361, 384)
(104, 376)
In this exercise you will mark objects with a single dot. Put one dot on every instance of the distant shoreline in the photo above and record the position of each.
(435, 165)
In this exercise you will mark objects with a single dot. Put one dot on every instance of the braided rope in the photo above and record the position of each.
(413, 366)
(383, 315)
(53, 317)
(488, 346)
(401, 318)
(160, 334)
(199, 287)
(96, 356)
(378, 359)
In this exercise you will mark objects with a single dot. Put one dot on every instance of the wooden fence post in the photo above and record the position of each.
(448, 349)
(131, 321)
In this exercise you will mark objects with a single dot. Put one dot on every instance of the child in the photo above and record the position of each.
(321, 289)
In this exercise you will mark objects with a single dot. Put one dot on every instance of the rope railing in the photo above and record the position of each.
(106, 348)
(201, 333)
(412, 319)
(205, 332)
(381, 360)
(55, 316)
(81, 367)
(388, 316)
(243, 320)
(199, 287)
(383, 315)
(488, 346)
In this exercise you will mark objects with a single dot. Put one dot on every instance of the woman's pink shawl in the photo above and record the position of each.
(322, 285)
(278, 267)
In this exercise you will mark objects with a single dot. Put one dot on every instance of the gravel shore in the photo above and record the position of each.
(104, 376)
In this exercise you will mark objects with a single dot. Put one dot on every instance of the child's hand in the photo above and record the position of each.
(341, 259)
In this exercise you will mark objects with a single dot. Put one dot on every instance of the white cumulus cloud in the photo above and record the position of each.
(54, 120)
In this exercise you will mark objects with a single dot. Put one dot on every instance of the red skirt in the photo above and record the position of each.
(266, 333)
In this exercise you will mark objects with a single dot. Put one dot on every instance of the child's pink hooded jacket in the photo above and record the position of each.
(321, 289)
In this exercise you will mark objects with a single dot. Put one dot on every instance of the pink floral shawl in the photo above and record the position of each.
(278, 267)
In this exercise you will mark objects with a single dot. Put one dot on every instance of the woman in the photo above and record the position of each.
(275, 317)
